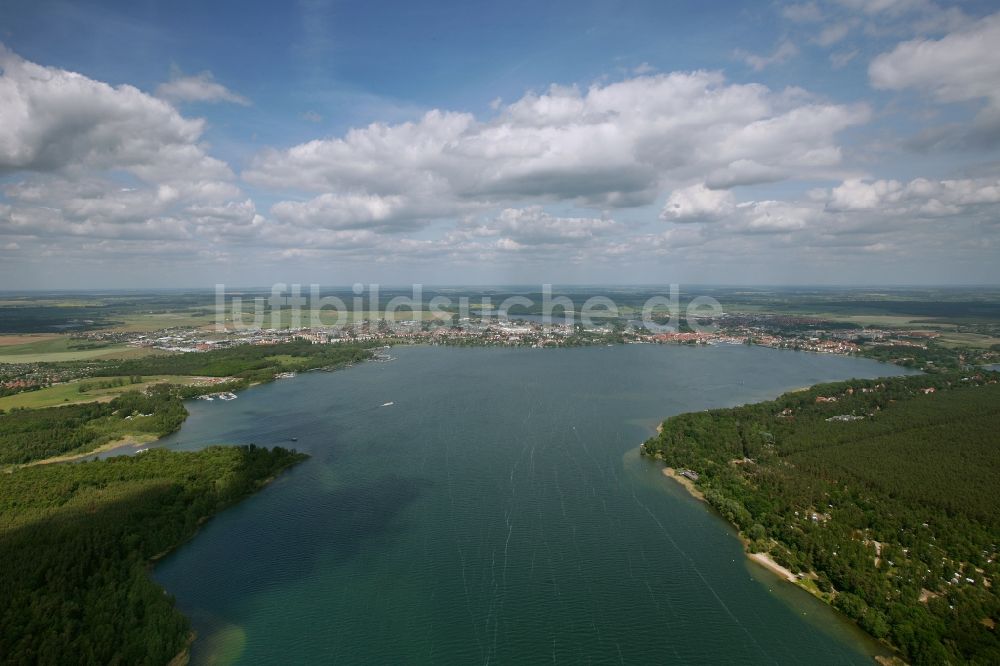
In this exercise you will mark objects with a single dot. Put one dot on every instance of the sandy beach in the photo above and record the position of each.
(763, 559)
(684, 481)
(768, 562)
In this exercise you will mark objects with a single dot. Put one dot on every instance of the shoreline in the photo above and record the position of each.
(136, 440)
(183, 658)
(688, 484)
(762, 559)
(888, 656)
(766, 561)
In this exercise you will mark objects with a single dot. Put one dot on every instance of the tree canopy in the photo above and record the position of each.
(76, 541)
(882, 493)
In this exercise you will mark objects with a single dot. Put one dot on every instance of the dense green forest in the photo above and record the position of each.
(882, 494)
(254, 363)
(934, 358)
(76, 541)
(35, 434)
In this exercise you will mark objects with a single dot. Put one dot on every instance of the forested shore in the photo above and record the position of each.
(879, 494)
(76, 542)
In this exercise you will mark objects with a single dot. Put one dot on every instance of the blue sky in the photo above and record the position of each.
(850, 141)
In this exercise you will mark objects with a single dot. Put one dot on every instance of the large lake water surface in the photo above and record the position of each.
(497, 512)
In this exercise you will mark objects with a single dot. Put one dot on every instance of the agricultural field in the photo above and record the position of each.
(957, 339)
(53, 348)
(21, 340)
(327, 317)
(146, 322)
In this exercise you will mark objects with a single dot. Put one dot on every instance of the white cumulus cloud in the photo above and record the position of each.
(959, 67)
(613, 145)
(86, 159)
(52, 119)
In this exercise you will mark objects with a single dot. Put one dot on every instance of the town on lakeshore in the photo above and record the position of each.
(931, 344)
(767, 330)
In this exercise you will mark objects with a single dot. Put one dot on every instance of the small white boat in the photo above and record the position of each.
(388, 404)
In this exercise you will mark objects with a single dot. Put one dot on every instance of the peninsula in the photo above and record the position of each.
(77, 541)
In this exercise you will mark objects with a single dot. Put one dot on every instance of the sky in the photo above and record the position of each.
(185, 144)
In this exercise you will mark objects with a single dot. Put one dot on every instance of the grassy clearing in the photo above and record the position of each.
(69, 393)
(286, 360)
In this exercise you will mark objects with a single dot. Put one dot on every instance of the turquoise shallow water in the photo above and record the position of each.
(497, 512)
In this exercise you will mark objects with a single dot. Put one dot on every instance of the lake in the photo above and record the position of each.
(497, 512)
